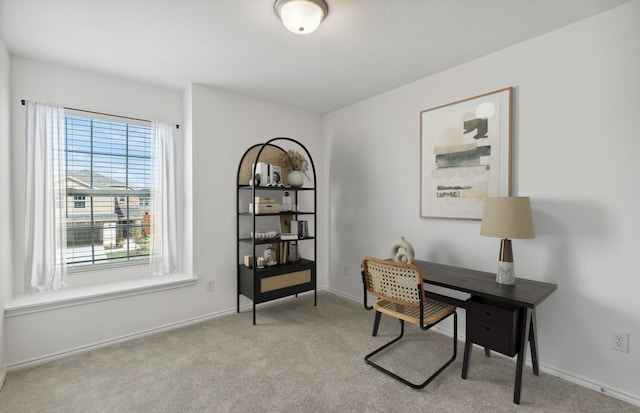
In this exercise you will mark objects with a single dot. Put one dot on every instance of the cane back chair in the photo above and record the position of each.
(400, 291)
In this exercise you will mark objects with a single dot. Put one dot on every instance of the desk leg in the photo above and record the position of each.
(533, 334)
(467, 356)
(525, 323)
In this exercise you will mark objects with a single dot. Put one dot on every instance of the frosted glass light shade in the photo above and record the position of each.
(301, 16)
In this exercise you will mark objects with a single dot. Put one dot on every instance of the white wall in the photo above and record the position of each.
(576, 106)
(224, 127)
(5, 194)
(216, 129)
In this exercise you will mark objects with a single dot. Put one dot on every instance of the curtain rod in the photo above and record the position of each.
(102, 113)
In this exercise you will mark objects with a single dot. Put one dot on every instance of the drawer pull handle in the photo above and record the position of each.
(488, 328)
(488, 314)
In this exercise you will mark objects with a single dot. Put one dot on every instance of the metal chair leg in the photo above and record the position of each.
(395, 340)
(376, 323)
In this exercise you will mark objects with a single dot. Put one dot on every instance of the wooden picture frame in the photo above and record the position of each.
(465, 155)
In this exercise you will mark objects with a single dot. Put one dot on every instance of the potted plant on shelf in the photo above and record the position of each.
(296, 164)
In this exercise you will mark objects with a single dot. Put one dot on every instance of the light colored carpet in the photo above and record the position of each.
(299, 358)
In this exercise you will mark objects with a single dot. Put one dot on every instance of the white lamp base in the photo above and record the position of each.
(506, 273)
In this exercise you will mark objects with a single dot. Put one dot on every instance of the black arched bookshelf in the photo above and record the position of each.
(293, 274)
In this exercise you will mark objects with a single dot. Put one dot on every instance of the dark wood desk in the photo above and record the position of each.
(524, 296)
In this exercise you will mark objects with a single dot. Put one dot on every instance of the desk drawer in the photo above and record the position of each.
(493, 326)
(492, 336)
(490, 313)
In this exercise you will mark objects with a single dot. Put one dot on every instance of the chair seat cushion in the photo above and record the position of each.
(434, 311)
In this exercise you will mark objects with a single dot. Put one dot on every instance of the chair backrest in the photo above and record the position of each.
(394, 281)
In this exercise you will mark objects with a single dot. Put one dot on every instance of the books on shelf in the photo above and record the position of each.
(285, 223)
(283, 256)
(288, 236)
(261, 177)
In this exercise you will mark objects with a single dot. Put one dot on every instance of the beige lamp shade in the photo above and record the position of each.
(507, 217)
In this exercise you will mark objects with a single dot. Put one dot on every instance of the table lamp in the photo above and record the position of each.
(507, 217)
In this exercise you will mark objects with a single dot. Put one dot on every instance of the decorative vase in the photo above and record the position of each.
(286, 202)
(402, 251)
(295, 179)
(269, 256)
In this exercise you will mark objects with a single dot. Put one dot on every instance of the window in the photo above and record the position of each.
(108, 180)
(79, 202)
(75, 159)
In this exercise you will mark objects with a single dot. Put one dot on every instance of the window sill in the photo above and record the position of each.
(34, 303)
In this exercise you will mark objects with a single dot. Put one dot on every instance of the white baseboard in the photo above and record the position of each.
(3, 377)
(105, 343)
(589, 384)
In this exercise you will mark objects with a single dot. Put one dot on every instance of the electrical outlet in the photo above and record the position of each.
(210, 286)
(620, 340)
(346, 271)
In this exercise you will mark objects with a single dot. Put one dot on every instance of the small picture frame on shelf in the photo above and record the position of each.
(275, 175)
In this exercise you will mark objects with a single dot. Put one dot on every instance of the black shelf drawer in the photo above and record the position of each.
(493, 326)
(278, 281)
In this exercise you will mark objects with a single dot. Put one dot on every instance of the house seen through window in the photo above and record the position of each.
(108, 180)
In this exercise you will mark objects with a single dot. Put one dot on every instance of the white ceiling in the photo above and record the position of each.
(363, 47)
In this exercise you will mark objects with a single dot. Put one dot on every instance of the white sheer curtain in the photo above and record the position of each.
(164, 250)
(45, 230)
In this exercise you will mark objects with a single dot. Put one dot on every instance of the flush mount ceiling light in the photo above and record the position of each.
(301, 16)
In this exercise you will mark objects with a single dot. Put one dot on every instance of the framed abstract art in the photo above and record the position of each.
(465, 155)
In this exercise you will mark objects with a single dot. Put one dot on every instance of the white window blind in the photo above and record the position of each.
(108, 181)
